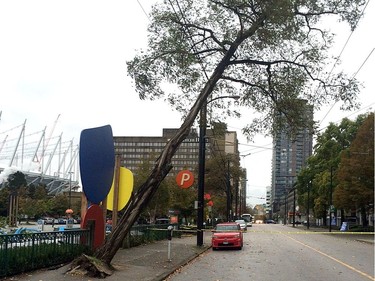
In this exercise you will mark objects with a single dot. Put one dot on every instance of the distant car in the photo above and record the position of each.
(227, 235)
(242, 224)
(258, 221)
(162, 221)
(21, 234)
(61, 221)
(249, 224)
(270, 221)
(48, 220)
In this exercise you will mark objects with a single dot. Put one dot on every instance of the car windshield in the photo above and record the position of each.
(226, 227)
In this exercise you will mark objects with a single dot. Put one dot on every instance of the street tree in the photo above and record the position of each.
(271, 53)
(58, 205)
(4, 202)
(158, 205)
(182, 200)
(355, 175)
(16, 182)
(321, 171)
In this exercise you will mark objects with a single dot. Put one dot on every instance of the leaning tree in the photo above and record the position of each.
(272, 53)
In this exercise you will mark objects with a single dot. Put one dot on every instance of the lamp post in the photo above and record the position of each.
(69, 211)
(201, 165)
(294, 207)
(70, 189)
(236, 208)
(309, 186)
(229, 199)
(330, 202)
(285, 207)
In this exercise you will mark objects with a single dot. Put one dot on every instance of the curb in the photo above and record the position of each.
(199, 252)
(365, 241)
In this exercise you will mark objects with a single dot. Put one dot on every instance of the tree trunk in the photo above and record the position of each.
(141, 198)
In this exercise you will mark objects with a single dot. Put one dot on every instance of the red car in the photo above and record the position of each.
(227, 235)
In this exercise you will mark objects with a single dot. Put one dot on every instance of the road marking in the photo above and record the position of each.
(313, 232)
(334, 259)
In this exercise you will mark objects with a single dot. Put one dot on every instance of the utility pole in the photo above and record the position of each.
(70, 189)
(201, 170)
(285, 207)
(330, 203)
(309, 186)
(294, 207)
(201, 166)
(228, 193)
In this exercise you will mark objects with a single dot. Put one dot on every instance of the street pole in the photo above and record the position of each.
(330, 204)
(236, 208)
(228, 194)
(294, 207)
(308, 204)
(201, 170)
(201, 166)
(70, 190)
(285, 207)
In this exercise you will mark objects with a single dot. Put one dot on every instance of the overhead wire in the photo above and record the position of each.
(144, 11)
(337, 59)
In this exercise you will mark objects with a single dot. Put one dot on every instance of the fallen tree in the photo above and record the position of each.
(271, 53)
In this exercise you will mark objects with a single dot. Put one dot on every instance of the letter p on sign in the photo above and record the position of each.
(185, 179)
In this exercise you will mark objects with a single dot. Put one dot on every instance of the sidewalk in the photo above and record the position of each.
(142, 263)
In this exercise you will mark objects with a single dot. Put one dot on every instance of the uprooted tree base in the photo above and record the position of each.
(89, 266)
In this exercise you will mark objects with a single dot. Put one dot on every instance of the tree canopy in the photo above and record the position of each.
(355, 175)
(271, 53)
(343, 159)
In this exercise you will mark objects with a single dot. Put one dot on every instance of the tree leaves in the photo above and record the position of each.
(271, 53)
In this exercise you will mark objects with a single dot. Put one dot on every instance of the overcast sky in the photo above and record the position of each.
(65, 61)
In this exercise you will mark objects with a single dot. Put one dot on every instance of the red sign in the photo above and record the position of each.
(185, 179)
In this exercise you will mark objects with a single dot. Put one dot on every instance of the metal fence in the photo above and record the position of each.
(140, 234)
(25, 252)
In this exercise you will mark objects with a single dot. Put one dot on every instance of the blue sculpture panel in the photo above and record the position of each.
(97, 162)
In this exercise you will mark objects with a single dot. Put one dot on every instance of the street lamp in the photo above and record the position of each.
(70, 189)
(229, 199)
(294, 207)
(285, 207)
(330, 201)
(309, 187)
(201, 165)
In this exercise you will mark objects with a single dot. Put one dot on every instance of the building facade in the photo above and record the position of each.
(289, 157)
(135, 150)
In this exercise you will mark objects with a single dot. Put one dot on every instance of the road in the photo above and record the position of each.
(278, 252)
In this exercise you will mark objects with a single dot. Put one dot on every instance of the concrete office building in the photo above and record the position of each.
(135, 150)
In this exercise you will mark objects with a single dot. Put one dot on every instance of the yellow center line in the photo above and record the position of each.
(314, 232)
(334, 259)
